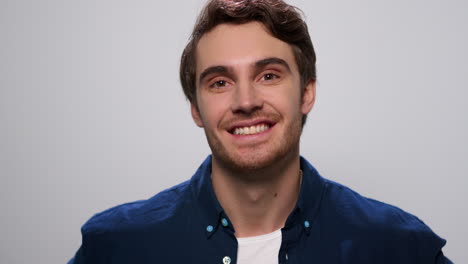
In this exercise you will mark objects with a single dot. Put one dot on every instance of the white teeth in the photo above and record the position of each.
(251, 130)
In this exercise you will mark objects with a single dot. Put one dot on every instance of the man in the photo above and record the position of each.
(249, 74)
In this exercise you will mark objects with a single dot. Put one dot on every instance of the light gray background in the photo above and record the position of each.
(92, 114)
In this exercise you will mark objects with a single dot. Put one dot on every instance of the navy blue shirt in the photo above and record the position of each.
(186, 224)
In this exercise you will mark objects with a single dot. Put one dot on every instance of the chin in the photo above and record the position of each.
(252, 159)
(250, 162)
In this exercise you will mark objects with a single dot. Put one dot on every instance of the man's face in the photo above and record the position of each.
(249, 97)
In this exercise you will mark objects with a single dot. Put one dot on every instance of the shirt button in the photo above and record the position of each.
(209, 228)
(226, 260)
(306, 224)
(224, 222)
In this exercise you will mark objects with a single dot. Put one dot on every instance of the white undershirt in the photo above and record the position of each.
(263, 249)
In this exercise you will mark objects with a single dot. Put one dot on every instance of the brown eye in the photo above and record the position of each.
(269, 77)
(218, 84)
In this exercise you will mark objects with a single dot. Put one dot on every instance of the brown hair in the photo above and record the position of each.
(284, 22)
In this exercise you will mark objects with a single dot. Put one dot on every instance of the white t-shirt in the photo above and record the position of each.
(263, 249)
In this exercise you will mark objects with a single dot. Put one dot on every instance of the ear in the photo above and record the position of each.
(196, 115)
(308, 98)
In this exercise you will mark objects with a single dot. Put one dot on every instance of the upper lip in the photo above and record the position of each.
(250, 123)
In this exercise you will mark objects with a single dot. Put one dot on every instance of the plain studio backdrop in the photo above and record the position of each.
(92, 113)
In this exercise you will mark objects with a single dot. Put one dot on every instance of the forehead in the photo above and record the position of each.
(239, 45)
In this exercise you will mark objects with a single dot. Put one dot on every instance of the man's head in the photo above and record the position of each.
(250, 64)
(283, 21)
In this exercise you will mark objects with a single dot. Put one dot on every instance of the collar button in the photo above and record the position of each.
(226, 260)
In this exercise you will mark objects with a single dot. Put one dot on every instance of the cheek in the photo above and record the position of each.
(212, 109)
(284, 100)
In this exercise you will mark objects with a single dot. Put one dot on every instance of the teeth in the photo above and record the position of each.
(251, 130)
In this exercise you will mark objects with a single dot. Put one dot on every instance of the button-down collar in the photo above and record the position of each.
(212, 214)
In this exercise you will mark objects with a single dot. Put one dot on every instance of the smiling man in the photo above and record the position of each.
(251, 104)
(249, 74)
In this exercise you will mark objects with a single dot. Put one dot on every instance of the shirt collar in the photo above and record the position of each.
(212, 214)
(312, 190)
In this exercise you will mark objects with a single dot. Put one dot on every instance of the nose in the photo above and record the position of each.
(246, 99)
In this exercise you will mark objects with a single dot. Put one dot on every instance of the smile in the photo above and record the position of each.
(251, 130)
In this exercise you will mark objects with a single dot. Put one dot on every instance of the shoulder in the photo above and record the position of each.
(125, 231)
(377, 223)
(351, 204)
(158, 209)
(359, 210)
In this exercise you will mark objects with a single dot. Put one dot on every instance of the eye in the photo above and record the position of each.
(218, 84)
(269, 77)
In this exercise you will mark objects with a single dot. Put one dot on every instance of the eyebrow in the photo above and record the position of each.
(211, 70)
(258, 64)
(272, 60)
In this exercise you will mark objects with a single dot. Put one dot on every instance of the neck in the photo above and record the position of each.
(258, 202)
